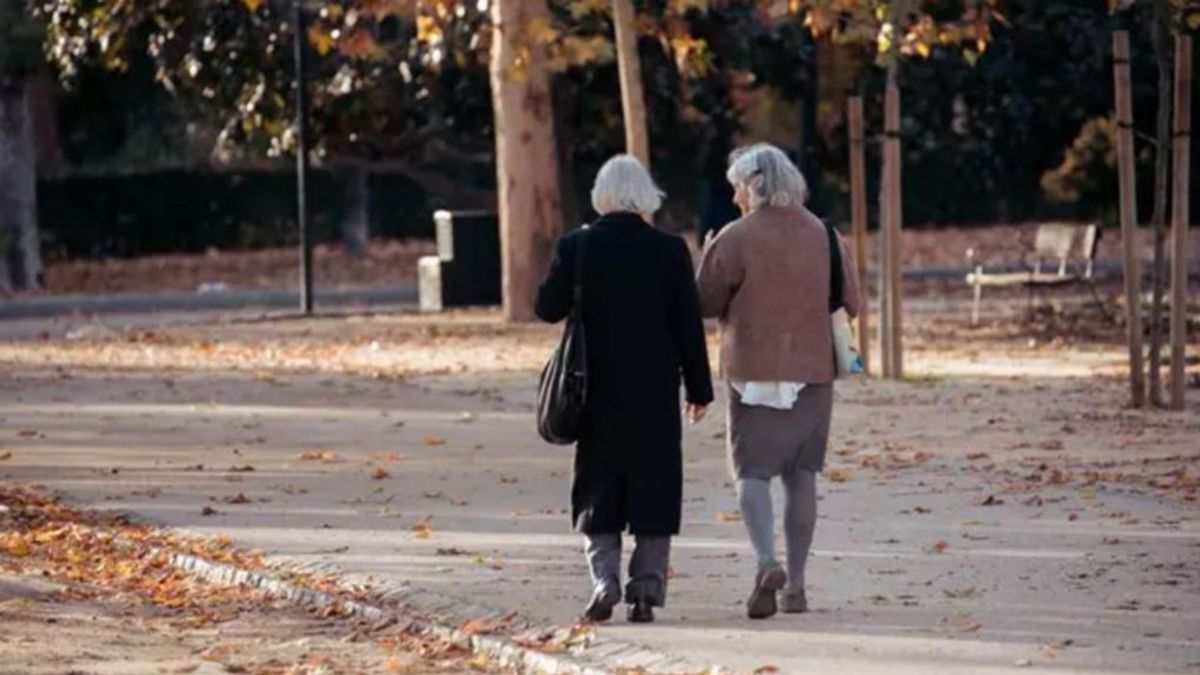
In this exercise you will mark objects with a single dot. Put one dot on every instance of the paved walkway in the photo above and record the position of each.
(959, 530)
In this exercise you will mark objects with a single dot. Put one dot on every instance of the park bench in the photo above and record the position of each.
(1069, 249)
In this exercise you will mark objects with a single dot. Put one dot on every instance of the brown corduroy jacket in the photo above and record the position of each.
(766, 277)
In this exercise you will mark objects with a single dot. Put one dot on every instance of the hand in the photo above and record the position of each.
(695, 412)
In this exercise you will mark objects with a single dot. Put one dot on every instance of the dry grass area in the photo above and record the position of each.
(386, 263)
(395, 262)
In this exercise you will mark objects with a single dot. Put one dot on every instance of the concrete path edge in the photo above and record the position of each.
(602, 657)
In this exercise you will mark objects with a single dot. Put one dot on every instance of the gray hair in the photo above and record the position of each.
(769, 176)
(623, 184)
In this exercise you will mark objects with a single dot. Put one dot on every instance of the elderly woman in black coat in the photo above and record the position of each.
(644, 334)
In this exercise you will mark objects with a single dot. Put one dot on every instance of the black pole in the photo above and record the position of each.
(306, 273)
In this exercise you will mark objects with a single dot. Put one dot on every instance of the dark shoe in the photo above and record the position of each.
(793, 602)
(640, 612)
(600, 609)
(767, 582)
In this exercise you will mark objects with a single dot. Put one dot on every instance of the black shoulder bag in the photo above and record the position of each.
(562, 391)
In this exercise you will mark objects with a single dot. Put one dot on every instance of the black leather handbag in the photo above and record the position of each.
(562, 391)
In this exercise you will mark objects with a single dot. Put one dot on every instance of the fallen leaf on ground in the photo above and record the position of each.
(938, 546)
(977, 456)
(423, 529)
(5, 455)
(838, 475)
(239, 498)
(390, 457)
(1055, 649)
(729, 517)
(241, 469)
(991, 500)
(763, 670)
(434, 441)
(380, 474)
(208, 511)
(26, 433)
(481, 626)
(318, 455)
(963, 624)
(509, 480)
(454, 551)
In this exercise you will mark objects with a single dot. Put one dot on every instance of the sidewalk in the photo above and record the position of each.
(968, 525)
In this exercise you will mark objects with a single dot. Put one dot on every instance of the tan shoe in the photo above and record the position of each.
(762, 602)
(793, 602)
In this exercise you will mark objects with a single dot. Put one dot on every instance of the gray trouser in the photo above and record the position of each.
(799, 520)
(647, 568)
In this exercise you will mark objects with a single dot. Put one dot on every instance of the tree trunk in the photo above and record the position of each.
(356, 221)
(1162, 52)
(20, 247)
(527, 175)
(1131, 252)
(629, 68)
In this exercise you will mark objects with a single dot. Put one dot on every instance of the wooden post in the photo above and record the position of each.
(892, 208)
(858, 219)
(629, 68)
(1179, 218)
(1128, 211)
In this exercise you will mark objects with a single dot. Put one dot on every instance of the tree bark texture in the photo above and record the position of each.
(1162, 165)
(629, 68)
(527, 175)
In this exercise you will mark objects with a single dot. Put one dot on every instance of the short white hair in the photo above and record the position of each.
(768, 175)
(623, 184)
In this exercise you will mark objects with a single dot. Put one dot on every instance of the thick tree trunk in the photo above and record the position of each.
(527, 176)
(1162, 52)
(20, 247)
(356, 221)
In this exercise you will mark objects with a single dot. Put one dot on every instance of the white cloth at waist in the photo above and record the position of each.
(777, 395)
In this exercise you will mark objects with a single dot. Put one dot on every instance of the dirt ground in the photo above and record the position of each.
(1001, 508)
(43, 634)
(389, 263)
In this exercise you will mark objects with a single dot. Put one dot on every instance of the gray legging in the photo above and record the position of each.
(799, 520)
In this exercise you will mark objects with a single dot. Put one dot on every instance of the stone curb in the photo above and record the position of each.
(602, 657)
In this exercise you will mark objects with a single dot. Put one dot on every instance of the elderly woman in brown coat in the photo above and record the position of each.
(767, 277)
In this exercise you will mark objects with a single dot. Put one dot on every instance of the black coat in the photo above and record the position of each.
(641, 316)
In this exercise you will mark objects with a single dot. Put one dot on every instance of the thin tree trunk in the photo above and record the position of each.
(527, 175)
(1180, 206)
(629, 68)
(356, 221)
(20, 246)
(858, 217)
(1131, 254)
(1162, 52)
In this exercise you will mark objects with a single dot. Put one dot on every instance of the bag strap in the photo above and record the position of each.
(836, 276)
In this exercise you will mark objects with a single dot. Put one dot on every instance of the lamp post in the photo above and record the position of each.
(300, 28)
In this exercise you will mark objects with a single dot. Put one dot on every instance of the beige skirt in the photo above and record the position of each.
(765, 442)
